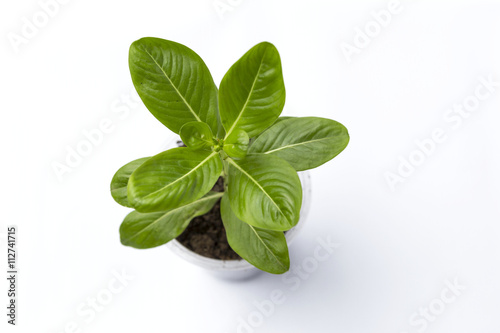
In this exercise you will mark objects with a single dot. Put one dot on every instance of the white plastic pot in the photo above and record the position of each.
(241, 269)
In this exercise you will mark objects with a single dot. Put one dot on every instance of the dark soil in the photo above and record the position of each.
(206, 235)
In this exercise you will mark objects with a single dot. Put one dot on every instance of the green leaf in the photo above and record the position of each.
(264, 191)
(172, 179)
(196, 135)
(173, 82)
(305, 142)
(120, 181)
(147, 230)
(252, 93)
(265, 249)
(280, 119)
(236, 145)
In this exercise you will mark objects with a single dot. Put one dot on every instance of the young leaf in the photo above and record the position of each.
(196, 135)
(264, 191)
(147, 230)
(236, 145)
(252, 93)
(265, 249)
(305, 142)
(173, 82)
(172, 179)
(120, 181)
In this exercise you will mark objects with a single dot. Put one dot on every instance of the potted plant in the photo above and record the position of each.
(234, 140)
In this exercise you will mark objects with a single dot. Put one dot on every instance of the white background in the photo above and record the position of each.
(397, 247)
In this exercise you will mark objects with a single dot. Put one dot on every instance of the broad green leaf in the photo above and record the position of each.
(252, 93)
(196, 135)
(147, 230)
(173, 82)
(265, 249)
(280, 119)
(305, 142)
(264, 191)
(236, 144)
(172, 179)
(120, 181)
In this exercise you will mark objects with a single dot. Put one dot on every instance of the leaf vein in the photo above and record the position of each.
(295, 145)
(173, 211)
(175, 88)
(182, 177)
(258, 185)
(248, 98)
(265, 245)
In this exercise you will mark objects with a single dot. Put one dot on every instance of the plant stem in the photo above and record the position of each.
(225, 173)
